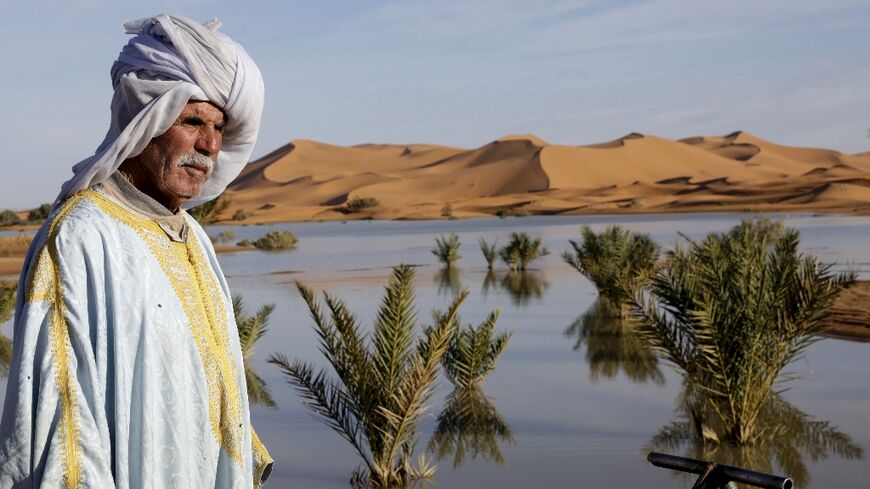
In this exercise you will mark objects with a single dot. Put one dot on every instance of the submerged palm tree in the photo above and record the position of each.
(730, 312)
(473, 352)
(616, 261)
(470, 425)
(251, 329)
(613, 345)
(522, 250)
(789, 436)
(447, 249)
(382, 383)
(490, 252)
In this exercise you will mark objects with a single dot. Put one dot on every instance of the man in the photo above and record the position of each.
(127, 369)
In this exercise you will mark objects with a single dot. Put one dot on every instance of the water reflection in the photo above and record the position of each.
(470, 425)
(612, 346)
(448, 282)
(789, 438)
(258, 392)
(522, 286)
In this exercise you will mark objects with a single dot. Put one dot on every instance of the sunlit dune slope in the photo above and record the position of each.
(525, 174)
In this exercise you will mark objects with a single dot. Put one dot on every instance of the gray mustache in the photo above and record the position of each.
(196, 159)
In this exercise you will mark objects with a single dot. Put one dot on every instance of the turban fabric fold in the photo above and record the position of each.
(170, 61)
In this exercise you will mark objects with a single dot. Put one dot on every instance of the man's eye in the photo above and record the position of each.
(220, 128)
(194, 121)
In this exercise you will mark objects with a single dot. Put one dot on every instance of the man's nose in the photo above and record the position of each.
(209, 141)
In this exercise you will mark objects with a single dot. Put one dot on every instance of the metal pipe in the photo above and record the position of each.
(736, 474)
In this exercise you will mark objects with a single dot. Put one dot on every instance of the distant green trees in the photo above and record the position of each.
(7, 300)
(276, 240)
(356, 204)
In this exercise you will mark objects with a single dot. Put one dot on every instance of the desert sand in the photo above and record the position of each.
(523, 174)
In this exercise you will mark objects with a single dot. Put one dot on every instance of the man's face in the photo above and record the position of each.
(175, 165)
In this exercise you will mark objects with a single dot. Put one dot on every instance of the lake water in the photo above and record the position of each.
(580, 401)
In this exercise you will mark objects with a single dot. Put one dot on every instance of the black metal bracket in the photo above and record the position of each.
(718, 476)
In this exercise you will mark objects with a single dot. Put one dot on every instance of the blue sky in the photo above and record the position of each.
(458, 72)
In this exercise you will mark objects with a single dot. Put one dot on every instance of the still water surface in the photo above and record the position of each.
(574, 401)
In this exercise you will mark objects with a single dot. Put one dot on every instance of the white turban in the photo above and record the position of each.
(170, 61)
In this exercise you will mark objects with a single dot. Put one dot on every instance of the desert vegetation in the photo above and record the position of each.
(251, 329)
(490, 252)
(356, 204)
(473, 352)
(276, 240)
(208, 212)
(730, 312)
(381, 384)
(7, 300)
(447, 249)
(616, 260)
(522, 250)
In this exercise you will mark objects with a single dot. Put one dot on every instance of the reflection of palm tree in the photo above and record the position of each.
(524, 286)
(251, 329)
(788, 437)
(470, 425)
(490, 281)
(612, 344)
(448, 281)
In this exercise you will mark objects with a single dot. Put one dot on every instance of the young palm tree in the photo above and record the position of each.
(382, 383)
(616, 261)
(730, 312)
(473, 352)
(490, 252)
(521, 250)
(447, 249)
(251, 329)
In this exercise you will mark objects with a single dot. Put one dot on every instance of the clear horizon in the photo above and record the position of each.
(459, 73)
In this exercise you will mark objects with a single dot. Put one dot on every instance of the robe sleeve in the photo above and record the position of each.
(54, 432)
(262, 461)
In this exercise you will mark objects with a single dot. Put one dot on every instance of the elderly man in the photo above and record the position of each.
(127, 368)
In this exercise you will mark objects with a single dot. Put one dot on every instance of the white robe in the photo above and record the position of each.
(127, 370)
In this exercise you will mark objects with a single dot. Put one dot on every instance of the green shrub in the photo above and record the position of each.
(522, 250)
(730, 312)
(39, 214)
(357, 204)
(245, 243)
(276, 240)
(447, 210)
(490, 252)
(207, 213)
(635, 203)
(382, 381)
(9, 218)
(241, 215)
(447, 249)
(616, 261)
(502, 213)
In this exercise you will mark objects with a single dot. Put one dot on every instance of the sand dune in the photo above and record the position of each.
(307, 180)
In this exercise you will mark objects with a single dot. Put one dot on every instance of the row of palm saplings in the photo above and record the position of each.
(729, 312)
